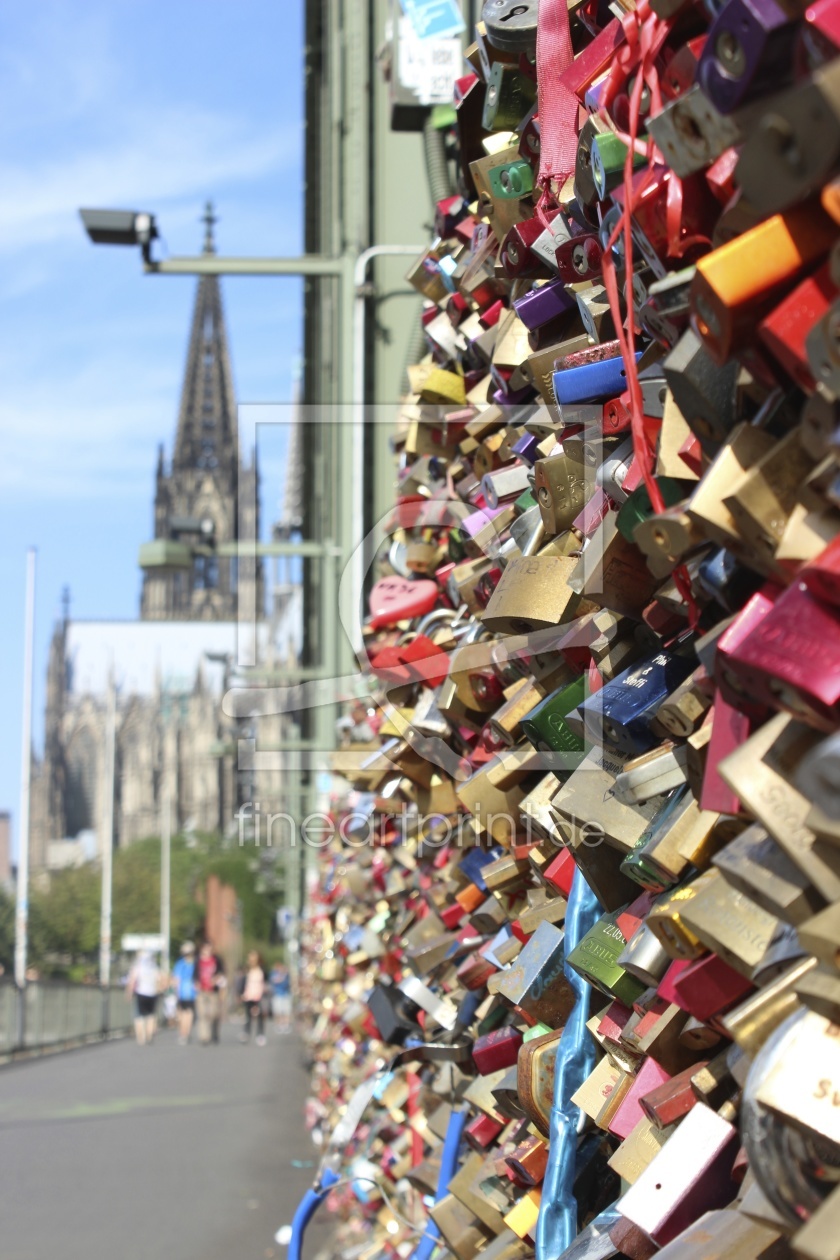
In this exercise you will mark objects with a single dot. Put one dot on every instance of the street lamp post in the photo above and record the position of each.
(22, 882)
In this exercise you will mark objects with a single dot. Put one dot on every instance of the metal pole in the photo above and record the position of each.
(22, 888)
(357, 398)
(219, 265)
(165, 874)
(108, 839)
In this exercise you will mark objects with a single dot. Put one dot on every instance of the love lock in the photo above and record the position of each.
(511, 26)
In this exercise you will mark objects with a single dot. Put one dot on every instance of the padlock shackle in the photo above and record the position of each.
(437, 616)
(448, 1169)
(307, 1208)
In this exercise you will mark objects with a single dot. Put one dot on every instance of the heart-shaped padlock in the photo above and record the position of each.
(399, 599)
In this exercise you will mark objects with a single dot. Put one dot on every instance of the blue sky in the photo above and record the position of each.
(151, 107)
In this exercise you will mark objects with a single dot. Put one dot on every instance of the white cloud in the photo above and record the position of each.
(89, 372)
(163, 155)
(90, 441)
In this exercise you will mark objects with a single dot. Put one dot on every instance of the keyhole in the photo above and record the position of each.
(515, 12)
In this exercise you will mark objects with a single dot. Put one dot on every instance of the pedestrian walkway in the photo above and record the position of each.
(147, 1153)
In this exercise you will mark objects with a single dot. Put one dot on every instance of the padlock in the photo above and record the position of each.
(691, 1175)
(749, 50)
(595, 378)
(786, 660)
(754, 864)
(794, 149)
(535, 1078)
(562, 486)
(509, 96)
(585, 188)
(546, 729)
(535, 983)
(576, 805)
(738, 282)
(533, 594)
(620, 713)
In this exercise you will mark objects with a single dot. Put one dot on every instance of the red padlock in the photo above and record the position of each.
(497, 1049)
(784, 330)
(822, 575)
(709, 987)
(396, 599)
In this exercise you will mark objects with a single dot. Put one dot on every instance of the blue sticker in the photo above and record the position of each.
(434, 19)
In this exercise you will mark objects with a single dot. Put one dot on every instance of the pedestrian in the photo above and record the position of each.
(252, 996)
(144, 986)
(208, 999)
(183, 973)
(281, 997)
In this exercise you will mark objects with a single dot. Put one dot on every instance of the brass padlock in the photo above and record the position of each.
(533, 594)
(562, 485)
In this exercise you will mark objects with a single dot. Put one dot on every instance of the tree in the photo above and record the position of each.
(65, 917)
(7, 931)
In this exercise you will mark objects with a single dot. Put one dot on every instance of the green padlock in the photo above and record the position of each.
(546, 727)
(638, 508)
(516, 179)
(608, 155)
(596, 959)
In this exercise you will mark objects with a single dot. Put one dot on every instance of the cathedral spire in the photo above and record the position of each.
(209, 219)
(205, 491)
(207, 432)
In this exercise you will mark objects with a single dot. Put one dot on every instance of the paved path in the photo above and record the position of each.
(155, 1153)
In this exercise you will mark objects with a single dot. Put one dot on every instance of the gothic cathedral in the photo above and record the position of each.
(167, 671)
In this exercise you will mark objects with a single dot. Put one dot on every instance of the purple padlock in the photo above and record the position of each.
(543, 304)
(526, 448)
(502, 399)
(749, 50)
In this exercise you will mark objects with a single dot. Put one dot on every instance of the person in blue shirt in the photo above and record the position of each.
(183, 973)
(281, 997)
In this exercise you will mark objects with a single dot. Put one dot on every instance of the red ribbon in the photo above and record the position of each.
(558, 104)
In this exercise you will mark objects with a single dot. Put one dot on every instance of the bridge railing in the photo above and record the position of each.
(51, 1014)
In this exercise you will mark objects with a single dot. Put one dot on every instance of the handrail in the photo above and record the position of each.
(51, 1014)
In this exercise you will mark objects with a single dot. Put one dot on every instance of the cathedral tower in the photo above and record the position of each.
(199, 497)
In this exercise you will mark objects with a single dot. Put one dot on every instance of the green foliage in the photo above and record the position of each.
(65, 916)
(7, 931)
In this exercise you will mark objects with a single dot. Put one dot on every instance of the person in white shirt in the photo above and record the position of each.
(144, 985)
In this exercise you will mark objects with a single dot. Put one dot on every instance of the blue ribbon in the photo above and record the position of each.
(557, 1223)
(448, 1169)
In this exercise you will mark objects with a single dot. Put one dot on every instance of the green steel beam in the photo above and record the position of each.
(308, 548)
(221, 265)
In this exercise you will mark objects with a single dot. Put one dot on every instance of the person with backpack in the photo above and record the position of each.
(183, 973)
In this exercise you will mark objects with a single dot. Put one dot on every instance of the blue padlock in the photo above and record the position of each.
(471, 864)
(619, 715)
(607, 379)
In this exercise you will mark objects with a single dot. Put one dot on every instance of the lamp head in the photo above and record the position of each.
(120, 227)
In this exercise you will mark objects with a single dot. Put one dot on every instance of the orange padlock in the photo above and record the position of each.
(736, 285)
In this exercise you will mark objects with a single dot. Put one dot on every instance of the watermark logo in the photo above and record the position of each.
(362, 828)
(344, 566)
